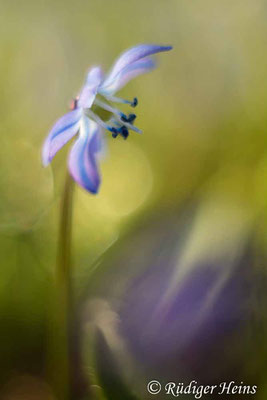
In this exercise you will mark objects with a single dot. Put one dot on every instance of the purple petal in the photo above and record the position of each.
(83, 156)
(132, 55)
(89, 91)
(122, 78)
(63, 130)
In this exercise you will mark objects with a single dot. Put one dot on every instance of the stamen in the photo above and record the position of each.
(134, 102)
(99, 121)
(107, 107)
(115, 122)
(111, 129)
(114, 99)
(132, 127)
(124, 132)
(128, 125)
(115, 111)
(130, 118)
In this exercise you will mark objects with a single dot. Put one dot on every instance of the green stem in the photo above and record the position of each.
(63, 297)
(63, 277)
(63, 280)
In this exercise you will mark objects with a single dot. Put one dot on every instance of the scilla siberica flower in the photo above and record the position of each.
(85, 119)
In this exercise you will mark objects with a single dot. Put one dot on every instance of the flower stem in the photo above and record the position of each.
(63, 297)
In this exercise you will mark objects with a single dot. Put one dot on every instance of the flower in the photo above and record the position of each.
(84, 118)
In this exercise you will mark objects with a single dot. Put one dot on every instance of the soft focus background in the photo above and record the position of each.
(169, 260)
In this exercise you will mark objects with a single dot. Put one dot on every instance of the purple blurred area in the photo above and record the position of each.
(174, 323)
(189, 330)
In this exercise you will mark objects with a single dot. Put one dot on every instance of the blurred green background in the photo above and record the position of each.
(169, 260)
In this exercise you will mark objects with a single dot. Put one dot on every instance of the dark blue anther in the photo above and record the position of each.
(112, 129)
(124, 132)
(134, 102)
(131, 117)
(124, 117)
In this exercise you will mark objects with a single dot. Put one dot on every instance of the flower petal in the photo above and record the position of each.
(89, 90)
(126, 74)
(83, 156)
(63, 130)
(131, 56)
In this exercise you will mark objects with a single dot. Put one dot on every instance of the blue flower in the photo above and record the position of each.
(98, 93)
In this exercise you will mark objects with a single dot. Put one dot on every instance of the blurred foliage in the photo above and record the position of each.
(197, 175)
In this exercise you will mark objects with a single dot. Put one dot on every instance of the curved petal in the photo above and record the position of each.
(131, 71)
(131, 56)
(63, 130)
(89, 90)
(83, 156)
